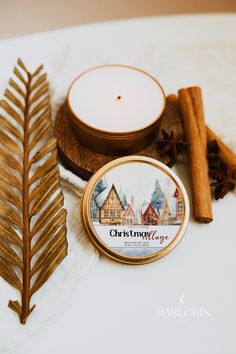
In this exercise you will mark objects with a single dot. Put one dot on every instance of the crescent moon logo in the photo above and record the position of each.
(181, 300)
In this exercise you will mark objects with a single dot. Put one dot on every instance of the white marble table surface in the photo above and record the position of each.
(116, 308)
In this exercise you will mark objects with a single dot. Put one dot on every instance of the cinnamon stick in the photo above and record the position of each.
(191, 107)
(173, 100)
(226, 153)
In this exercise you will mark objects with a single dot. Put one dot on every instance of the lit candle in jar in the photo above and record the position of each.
(115, 108)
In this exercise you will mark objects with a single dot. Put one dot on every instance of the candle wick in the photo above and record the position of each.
(119, 97)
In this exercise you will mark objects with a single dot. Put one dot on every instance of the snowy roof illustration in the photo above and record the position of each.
(101, 198)
(150, 207)
(129, 211)
(156, 207)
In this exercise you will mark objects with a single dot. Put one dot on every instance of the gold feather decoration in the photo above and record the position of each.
(32, 219)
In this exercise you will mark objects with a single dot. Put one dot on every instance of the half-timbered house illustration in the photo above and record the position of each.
(111, 209)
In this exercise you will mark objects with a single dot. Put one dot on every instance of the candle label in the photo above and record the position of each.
(137, 209)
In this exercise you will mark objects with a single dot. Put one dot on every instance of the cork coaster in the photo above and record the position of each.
(85, 162)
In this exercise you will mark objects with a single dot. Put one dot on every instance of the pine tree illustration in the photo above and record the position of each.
(124, 201)
(157, 196)
(123, 197)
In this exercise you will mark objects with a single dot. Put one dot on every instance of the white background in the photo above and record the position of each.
(114, 307)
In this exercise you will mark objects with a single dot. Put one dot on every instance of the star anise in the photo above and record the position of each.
(213, 156)
(224, 177)
(171, 145)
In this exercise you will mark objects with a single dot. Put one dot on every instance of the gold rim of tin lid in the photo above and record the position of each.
(142, 133)
(108, 134)
(90, 225)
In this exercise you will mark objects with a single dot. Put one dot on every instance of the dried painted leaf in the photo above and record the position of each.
(32, 219)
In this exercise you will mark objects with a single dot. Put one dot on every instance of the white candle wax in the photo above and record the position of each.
(116, 98)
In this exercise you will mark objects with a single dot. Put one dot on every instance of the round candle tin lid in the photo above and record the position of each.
(135, 209)
(115, 99)
(115, 109)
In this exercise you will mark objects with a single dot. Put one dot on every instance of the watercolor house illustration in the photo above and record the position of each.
(167, 217)
(172, 212)
(111, 209)
(179, 206)
(150, 216)
(129, 217)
